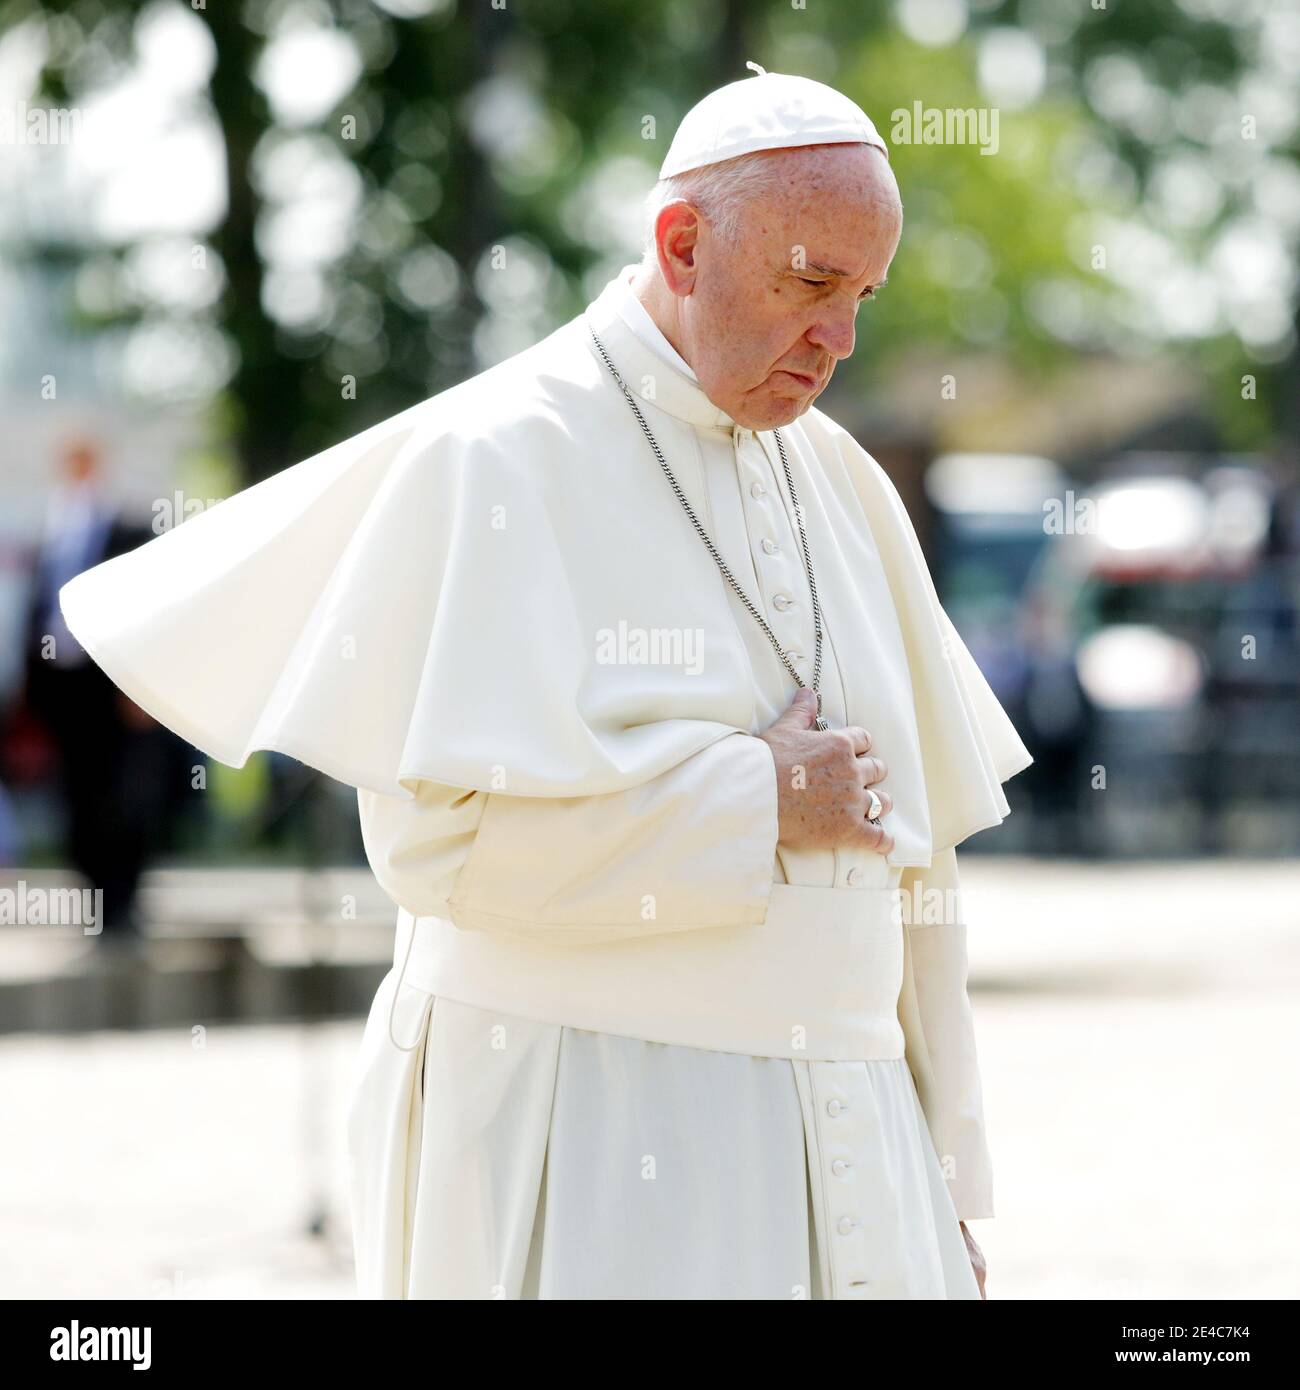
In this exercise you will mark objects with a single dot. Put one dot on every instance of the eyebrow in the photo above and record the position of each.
(843, 274)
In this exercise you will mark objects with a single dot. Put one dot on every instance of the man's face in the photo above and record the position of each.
(767, 318)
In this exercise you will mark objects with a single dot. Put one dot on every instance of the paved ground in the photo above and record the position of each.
(1138, 1032)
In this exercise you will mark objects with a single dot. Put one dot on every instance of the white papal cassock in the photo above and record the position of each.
(630, 1047)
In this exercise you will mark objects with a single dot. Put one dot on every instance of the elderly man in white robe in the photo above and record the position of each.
(663, 745)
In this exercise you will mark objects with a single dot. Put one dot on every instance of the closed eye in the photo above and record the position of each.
(866, 294)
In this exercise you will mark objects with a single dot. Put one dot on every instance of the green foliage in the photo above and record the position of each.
(994, 260)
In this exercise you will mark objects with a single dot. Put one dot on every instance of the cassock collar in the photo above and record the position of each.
(674, 392)
(637, 317)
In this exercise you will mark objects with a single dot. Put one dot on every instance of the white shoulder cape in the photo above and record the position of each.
(419, 602)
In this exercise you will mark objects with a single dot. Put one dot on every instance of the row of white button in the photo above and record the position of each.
(783, 603)
(848, 1222)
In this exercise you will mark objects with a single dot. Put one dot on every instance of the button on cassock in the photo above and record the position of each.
(757, 490)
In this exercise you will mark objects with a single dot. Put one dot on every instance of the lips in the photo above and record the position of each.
(806, 378)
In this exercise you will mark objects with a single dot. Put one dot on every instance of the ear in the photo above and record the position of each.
(677, 231)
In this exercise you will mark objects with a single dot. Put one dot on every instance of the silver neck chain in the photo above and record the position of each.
(713, 550)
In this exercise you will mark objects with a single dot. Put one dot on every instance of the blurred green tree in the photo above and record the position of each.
(512, 136)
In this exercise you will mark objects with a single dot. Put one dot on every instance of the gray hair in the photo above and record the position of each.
(721, 192)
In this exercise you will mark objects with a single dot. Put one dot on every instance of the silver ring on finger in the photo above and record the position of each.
(876, 808)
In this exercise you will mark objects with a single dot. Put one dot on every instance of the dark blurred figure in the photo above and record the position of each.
(1057, 720)
(10, 838)
(121, 774)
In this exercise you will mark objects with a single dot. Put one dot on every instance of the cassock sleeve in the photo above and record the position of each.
(691, 847)
(934, 1011)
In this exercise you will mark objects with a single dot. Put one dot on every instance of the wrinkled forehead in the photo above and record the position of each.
(829, 184)
(837, 221)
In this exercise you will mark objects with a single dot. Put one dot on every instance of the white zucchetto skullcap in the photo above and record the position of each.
(770, 111)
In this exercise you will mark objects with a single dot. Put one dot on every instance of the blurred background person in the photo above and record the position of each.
(117, 769)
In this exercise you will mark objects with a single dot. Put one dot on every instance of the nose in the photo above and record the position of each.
(833, 332)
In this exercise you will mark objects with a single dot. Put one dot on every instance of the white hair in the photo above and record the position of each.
(722, 192)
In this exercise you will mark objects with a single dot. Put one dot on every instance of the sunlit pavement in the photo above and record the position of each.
(1138, 1036)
